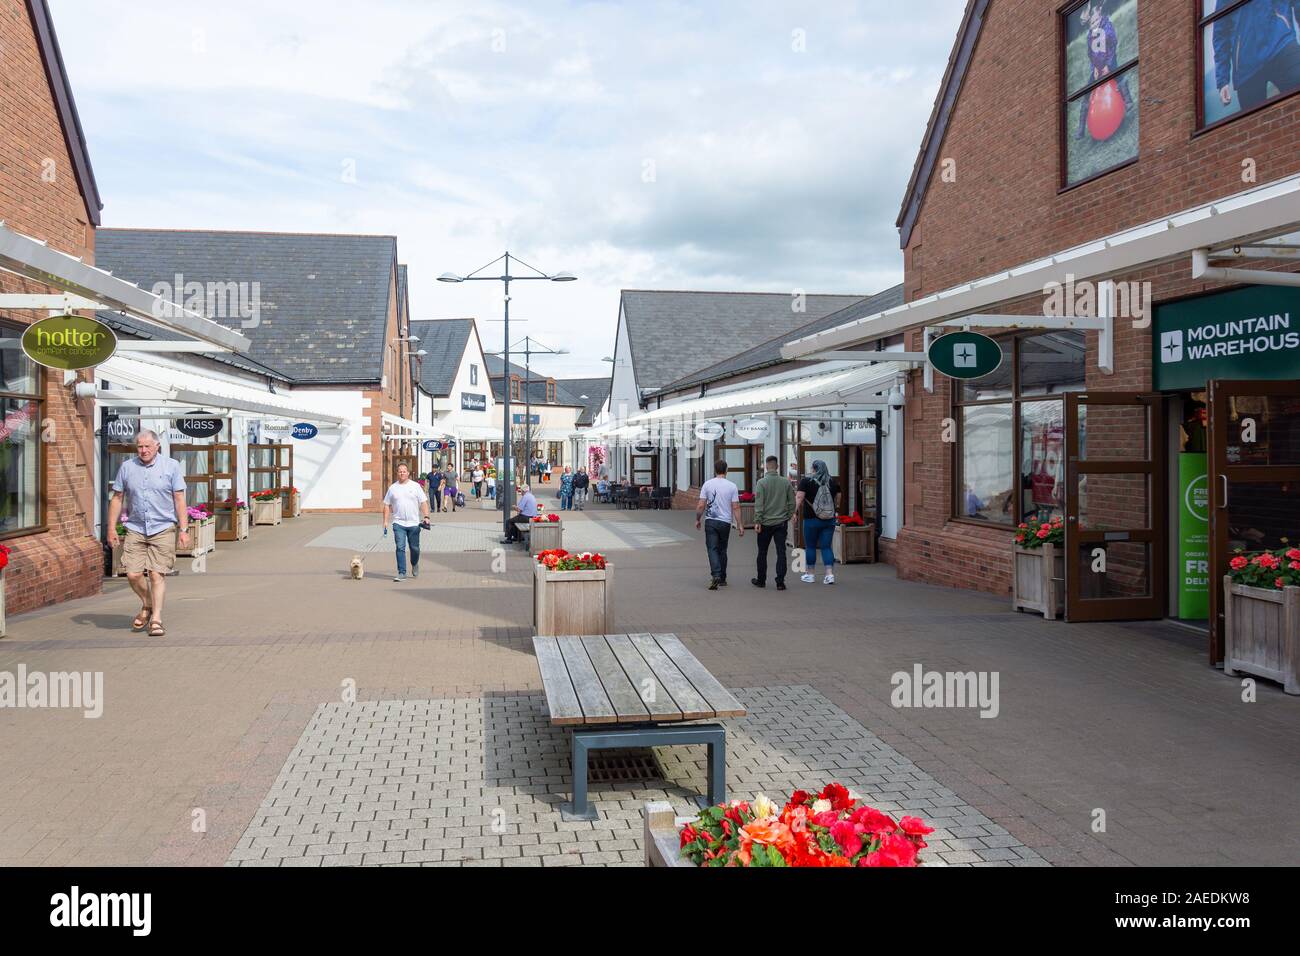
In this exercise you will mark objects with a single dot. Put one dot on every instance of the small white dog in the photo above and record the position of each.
(357, 567)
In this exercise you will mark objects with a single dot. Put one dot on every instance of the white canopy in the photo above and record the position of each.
(34, 259)
(828, 389)
(1262, 212)
(152, 385)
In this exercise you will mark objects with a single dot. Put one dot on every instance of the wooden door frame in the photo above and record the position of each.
(1155, 604)
(654, 467)
(1219, 472)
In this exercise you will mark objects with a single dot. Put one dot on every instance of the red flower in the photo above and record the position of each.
(1293, 554)
(895, 850)
(838, 795)
(873, 820)
(689, 835)
(1279, 583)
(846, 834)
(1238, 563)
(914, 826)
(1044, 532)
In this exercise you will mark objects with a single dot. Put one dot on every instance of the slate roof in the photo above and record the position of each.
(596, 390)
(401, 292)
(445, 341)
(128, 327)
(673, 333)
(537, 391)
(769, 353)
(323, 298)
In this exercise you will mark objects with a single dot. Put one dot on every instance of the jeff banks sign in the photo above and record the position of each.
(1247, 333)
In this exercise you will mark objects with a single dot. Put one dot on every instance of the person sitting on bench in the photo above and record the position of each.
(527, 510)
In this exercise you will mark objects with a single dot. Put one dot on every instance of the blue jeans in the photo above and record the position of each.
(716, 536)
(402, 538)
(818, 533)
(566, 501)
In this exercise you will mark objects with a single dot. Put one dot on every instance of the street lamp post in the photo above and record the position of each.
(507, 484)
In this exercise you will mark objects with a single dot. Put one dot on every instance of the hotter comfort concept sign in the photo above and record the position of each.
(1248, 333)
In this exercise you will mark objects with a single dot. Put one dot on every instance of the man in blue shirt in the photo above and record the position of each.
(527, 511)
(154, 490)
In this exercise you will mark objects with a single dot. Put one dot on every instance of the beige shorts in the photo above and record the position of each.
(154, 553)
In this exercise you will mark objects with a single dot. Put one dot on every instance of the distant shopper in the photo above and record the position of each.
(156, 519)
(818, 503)
(449, 491)
(546, 471)
(773, 509)
(435, 488)
(492, 484)
(525, 511)
(581, 482)
(476, 476)
(719, 508)
(407, 506)
(793, 475)
(566, 490)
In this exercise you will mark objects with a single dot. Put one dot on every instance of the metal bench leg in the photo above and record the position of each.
(718, 769)
(579, 809)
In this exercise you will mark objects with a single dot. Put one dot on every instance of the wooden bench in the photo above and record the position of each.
(632, 690)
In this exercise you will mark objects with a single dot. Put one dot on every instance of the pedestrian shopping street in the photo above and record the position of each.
(217, 742)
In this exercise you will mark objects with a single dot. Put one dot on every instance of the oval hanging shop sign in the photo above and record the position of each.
(69, 342)
(198, 425)
(708, 431)
(965, 355)
(431, 444)
(751, 429)
(304, 430)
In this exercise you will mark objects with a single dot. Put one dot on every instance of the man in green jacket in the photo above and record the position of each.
(773, 506)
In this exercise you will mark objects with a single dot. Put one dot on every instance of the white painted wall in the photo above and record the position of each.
(329, 469)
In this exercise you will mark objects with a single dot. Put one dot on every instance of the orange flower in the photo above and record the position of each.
(769, 832)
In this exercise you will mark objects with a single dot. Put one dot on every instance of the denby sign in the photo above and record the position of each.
(69, 342)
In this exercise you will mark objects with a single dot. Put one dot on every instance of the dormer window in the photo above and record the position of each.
(550, 391)
(514, 388)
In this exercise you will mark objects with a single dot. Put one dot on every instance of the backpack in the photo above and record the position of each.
(824, 502)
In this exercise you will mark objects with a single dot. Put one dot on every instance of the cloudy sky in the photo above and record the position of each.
(716, 145)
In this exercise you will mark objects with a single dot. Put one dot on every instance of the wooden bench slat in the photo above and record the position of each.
(687, 698)
(561, 698)
(625, 698)
(661, 704)
(719, 698)
(595, 703)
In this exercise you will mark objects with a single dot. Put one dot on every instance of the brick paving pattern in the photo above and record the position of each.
(1120, 717)
(458, 781)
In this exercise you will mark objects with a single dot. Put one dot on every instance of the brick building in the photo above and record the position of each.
(1086, 206)
(47, 191)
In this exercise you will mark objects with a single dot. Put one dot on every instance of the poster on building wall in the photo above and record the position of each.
(1250, 53)
(1193, 537)
(1102, 100)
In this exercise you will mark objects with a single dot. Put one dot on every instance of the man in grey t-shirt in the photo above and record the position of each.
(719, 508)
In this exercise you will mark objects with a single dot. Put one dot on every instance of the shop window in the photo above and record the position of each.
(697, 465)
(21, 449)
(1099, 64)
(1248, 56)
(1011, 434)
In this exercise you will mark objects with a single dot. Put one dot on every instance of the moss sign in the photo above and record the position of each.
(69, 342)
(1247, 333)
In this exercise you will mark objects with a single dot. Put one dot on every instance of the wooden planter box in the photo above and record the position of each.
(572, 602)
(663, 836)
(241, 525)
(1038, 580)
(1262, 633)
(203, 538)
(267, 512)
(854, 544)
(295, 504)
(545, 536)
(747, 514)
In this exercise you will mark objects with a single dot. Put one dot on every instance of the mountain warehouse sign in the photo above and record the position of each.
(1248, 333)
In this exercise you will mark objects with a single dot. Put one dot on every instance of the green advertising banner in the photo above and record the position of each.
(1247, 333)
(1193, 537)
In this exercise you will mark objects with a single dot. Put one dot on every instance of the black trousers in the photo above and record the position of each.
(516, 521)
(716, 536)
(772, 533)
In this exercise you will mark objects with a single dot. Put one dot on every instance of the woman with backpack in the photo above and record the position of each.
(817, 501)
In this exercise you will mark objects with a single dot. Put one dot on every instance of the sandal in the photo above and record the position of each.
(141, 620)
(156, 629)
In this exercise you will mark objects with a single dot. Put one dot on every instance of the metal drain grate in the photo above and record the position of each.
(623, 766)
